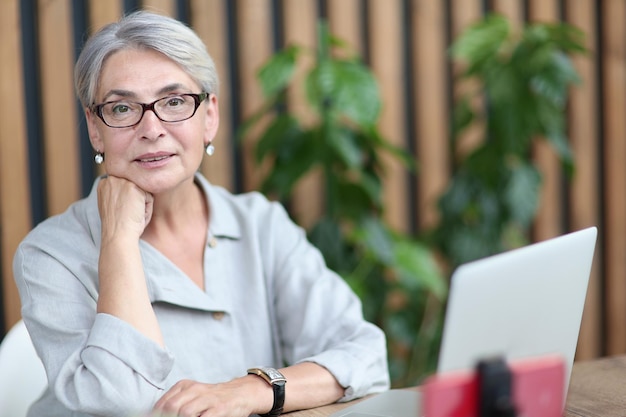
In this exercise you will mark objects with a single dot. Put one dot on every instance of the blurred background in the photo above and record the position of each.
(46, 161)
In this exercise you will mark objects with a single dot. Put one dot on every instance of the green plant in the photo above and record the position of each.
(396, 276)
(522, 79)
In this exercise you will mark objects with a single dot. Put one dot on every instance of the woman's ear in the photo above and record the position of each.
(92, 128)
(212, 119)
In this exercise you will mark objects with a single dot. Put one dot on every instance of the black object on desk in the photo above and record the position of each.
(495, 395)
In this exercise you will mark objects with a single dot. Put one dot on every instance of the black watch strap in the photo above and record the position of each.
(277, 381)
(279, 400)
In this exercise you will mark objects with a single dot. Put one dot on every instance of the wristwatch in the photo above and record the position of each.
(277, 381)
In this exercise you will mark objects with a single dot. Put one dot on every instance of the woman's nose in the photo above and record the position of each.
(150, 125)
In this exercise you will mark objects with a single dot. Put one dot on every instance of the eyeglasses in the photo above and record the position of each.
(174, 108)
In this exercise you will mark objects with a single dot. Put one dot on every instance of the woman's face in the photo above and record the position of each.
(157, 156)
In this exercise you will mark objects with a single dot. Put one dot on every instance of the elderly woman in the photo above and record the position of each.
(161, 293)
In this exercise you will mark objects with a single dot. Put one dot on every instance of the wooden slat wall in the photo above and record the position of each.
(404, 41)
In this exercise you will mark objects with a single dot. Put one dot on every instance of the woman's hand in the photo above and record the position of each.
(124, 208)
(237, 398)
(310, 385)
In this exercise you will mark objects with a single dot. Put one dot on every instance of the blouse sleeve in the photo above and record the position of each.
(85, 354)
(319, 317)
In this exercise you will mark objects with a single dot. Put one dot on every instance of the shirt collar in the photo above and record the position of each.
(222, 221)
(222, 224)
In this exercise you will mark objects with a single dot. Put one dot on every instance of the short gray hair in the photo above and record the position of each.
(142, 29)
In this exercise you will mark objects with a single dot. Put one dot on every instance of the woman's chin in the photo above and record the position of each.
(156, 186)
(156, 181)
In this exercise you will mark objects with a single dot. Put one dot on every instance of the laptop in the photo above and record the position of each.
(526, 302)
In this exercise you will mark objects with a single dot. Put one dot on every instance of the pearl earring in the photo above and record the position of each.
(99, 158)
(210, 149)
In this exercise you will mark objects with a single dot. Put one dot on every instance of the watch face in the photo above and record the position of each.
(273, 374)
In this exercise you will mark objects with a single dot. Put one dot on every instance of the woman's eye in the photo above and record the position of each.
(120, 108)
(175, 101)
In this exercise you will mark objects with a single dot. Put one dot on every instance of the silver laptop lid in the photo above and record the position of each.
(522, 303)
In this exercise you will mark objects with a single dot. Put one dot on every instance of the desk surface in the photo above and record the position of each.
(324, 411)
(597, 389)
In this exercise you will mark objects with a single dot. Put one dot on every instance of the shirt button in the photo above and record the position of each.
(218, 315)
(212, 242)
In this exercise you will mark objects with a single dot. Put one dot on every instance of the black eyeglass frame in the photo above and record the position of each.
(197, 98)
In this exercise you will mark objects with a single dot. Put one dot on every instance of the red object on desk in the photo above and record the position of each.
(537, 386)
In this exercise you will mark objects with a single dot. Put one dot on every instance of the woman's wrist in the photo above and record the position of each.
(258, 392)
(118, 237)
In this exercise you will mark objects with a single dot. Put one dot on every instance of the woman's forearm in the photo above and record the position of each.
(123, 290)
(309, 385)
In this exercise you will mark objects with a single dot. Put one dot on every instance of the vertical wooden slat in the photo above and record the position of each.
(164, 7)
(254, 22)
(15, 213)
(343, 21)
(549, 216)
(103, 12)
(431, 120)
(584, 201)
(57, 93)
(463, 14)
(513, 9)
(301, 29)
(209, 20)
(386, 60)
(614, 92)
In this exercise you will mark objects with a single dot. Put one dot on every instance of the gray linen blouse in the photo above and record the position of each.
(269, 300)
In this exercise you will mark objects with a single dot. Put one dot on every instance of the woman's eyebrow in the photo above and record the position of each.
(172, 87)
(121, 93)
(129, 94)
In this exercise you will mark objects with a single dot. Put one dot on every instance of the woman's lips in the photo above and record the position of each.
(154, 161)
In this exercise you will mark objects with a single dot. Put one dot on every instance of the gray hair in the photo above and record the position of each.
(147, 30)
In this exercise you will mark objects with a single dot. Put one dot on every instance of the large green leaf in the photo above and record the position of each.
(357, 96)
(480, 44)
(282, 131)
(563, 36)
(563, 150)
(554, 78)
(375, 237)
(353, 200)
(416, 267)
(347, 150)
(276, 74)
(294, 159)
(328, 237)
(522, 194)
(345, 88)
(465, 243)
